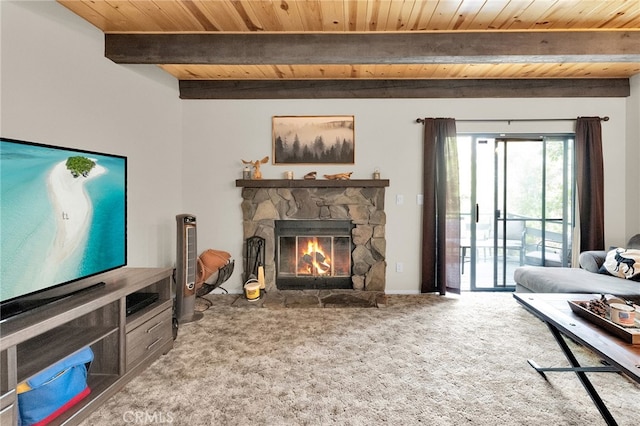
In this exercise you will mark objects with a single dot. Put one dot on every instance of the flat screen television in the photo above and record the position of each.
(63, 218)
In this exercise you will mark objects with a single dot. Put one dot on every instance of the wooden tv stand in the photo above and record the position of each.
(123, 346)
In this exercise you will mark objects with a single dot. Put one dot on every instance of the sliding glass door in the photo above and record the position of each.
(516, 200)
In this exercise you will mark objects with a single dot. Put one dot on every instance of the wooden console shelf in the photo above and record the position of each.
(122, 345)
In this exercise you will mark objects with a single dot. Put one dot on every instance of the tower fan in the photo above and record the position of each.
(186, 269)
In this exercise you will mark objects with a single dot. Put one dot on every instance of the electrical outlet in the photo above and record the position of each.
(399, 199)
(399, 267)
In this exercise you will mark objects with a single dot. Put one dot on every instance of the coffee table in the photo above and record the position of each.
(618, 355)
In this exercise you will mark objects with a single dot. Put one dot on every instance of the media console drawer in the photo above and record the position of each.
(8, 408)
(148, 337)
(8, 415)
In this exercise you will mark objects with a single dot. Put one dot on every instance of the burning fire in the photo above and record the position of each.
(313, 260)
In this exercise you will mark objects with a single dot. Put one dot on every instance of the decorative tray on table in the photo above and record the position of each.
(585, 309)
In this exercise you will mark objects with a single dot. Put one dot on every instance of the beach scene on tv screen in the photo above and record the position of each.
(62, 216)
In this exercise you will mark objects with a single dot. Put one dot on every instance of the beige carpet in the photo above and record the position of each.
(428, 359)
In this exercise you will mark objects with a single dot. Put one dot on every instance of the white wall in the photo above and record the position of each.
(632, 157)
(218, 134)
(58, 88)
(184, 156)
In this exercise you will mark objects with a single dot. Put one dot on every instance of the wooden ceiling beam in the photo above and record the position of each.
(375, 48)
(336, 89)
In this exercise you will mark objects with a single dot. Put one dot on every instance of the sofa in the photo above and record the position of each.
(601, 271)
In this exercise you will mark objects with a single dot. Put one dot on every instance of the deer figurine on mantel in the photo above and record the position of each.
(257, 174)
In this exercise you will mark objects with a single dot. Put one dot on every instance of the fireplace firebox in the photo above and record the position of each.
(313, 254)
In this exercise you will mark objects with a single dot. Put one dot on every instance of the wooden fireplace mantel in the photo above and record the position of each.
(312, 183)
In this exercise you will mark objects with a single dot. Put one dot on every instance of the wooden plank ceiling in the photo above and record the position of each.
(376, 48)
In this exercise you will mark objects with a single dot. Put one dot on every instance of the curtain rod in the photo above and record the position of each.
(509, 120)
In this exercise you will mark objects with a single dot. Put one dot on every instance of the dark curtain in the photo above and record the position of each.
(441, 208)
(590, 182)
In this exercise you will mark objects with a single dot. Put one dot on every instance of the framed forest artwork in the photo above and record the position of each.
(322, 139)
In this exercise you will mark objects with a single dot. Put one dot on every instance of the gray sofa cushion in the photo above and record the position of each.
(592, 260)
(538, 279)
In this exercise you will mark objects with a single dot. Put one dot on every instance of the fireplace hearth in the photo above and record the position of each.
(352, 257)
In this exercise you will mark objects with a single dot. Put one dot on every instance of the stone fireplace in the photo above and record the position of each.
(286, 206)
